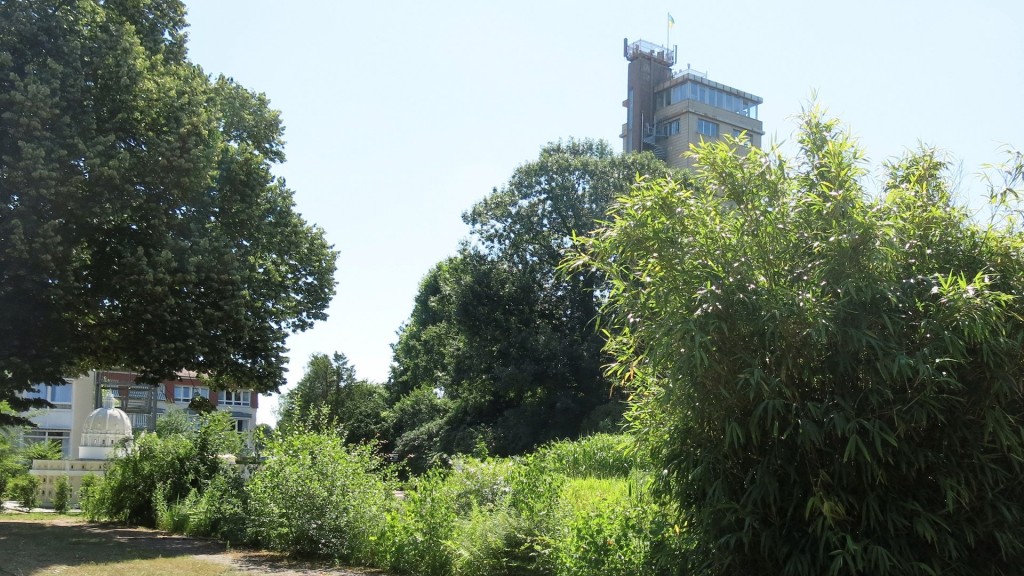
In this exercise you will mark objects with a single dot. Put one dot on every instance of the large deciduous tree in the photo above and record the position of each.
(140, 223)
(504, 336)
(831, 379)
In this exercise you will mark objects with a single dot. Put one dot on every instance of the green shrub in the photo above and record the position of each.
(218, 511)
(175, 421)
(417, 421)
(313, 496)
(170, 516)
(62, 495)
(222, 510)
(91, 497)
(48, 450)
(417, 538)
(462, 521)
(523, 515)
(830, 378)
(9, 461)
(479, 483)
(25, 489)
(155, 466)
(488, 541)
(173, 467)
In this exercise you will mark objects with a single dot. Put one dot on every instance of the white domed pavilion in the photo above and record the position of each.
(102, 432)
(103, 429)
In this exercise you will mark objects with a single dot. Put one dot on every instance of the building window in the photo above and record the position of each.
(60, 396)
(63, 437)
(707, 128)
(241, 424)
(672, 128)
(184, 394)
(235, 397)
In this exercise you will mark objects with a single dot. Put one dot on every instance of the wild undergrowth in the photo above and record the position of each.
(572, 508)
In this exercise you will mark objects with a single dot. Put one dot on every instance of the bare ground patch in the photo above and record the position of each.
(70, 546)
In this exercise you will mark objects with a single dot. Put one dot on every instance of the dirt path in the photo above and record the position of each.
(45, 544)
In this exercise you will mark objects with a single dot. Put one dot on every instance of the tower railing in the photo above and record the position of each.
(634, 50)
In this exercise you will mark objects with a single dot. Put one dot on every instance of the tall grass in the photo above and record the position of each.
(597, 456)
(573, 508)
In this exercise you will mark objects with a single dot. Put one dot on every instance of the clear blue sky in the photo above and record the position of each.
(400, 115)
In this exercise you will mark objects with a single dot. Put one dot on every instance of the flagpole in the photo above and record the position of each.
(669, 22)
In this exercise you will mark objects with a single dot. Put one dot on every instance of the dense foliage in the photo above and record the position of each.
(24, 489)
(140, 224)
(508, 340)
(315, 496)
(16, 459)
(158, 471)
(524, 516)
(830, 379)
(574, 508)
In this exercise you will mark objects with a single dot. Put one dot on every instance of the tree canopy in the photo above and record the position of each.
(506, 338)
(329, 398)
(830, 379)
(140, 223)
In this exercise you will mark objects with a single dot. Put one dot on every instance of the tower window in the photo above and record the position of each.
(707, 127)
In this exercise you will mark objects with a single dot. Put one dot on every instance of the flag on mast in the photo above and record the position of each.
(671, 20)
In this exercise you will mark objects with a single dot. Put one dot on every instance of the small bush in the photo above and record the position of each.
(525, 516)
(175, 421)
(222, 510)
(313, 496)
(90, 497)
(219, 510)
(479, 483)
(170, 516)
(24, 488)
(462, 521)
(62, 495)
